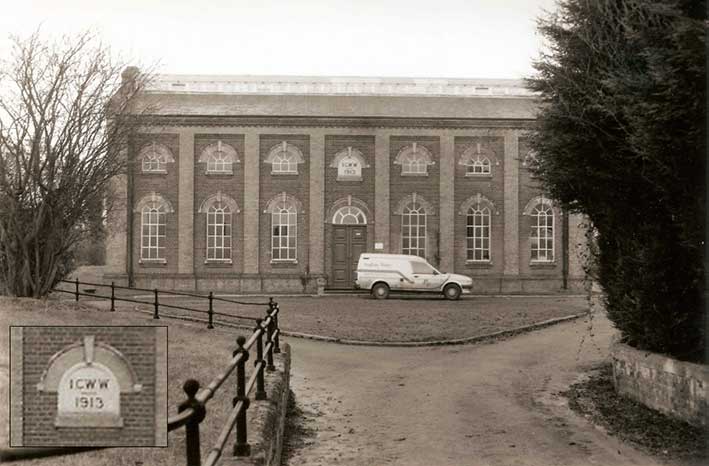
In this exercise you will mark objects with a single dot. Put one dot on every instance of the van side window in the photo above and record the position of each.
(421, 268)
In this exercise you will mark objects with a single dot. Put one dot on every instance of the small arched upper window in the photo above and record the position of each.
(414, 160)
(154, 158)
(478, 161)
(284, 159)
(220, 158)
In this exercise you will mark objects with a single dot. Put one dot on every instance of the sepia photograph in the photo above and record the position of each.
(353, 232)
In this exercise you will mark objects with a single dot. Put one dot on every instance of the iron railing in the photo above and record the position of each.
(155, 301)
(192, 411)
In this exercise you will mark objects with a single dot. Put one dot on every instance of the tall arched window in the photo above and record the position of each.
(219, 228)
(542, 235)
(220, 210)
(153, 210)
(284, 230)
(413, 229)
(478, 233)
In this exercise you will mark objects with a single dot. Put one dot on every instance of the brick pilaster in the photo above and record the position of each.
(185, 209)
(446, 249)
(251, 212)
(381, 191)
(511, 190)
(316, 259)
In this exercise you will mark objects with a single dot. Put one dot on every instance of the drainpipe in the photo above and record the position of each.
(565, 249)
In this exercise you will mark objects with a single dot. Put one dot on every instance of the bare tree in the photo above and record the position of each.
(65, 118)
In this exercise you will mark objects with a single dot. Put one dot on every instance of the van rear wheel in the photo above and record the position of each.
(380, 291)
(452, 292)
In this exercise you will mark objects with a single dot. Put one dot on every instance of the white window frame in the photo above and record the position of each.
(153, 216)
(284, 159)
(414, 163)
(219, 233)
(280, 242)
(478, 228)
(346, 212)
(542, 230)
(219, 162)
(480, 165)
(413, 218)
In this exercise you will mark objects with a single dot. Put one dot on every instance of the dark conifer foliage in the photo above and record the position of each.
(621, 138)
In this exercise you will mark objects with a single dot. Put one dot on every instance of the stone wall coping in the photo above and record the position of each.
(667, 364)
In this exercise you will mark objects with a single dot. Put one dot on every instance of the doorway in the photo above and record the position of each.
(349, 240)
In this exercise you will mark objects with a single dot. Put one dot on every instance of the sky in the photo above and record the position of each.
(385, 38)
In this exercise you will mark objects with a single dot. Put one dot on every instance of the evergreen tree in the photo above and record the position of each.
(621, 138)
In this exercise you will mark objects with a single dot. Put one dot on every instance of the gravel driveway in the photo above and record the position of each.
(495, 404)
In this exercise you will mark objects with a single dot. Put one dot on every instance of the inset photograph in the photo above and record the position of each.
(88, 386)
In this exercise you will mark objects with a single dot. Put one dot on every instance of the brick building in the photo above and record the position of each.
(270, 184)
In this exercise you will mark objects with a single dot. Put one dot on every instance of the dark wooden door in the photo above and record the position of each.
(348, 242)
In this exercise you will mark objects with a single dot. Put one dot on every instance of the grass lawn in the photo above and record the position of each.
(361, 317)
(194, 352)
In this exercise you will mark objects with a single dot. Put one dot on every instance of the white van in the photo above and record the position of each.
(382, 273)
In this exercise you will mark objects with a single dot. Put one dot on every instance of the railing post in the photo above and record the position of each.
(113, 297)
(260, 388)
(211, 311)
(241, 447)
(276, 342)
(194, 457)
(77, 289)
(269, 354)
(155, 314)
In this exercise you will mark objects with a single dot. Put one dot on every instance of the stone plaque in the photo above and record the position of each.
(89, 379)
(379, 246)
(89, 395)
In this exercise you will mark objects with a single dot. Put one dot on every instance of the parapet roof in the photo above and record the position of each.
(337, 86)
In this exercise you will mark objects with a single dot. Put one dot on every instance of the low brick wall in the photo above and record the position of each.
(267, 418)
(676, 388)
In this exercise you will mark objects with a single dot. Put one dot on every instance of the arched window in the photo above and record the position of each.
(414, 160)
(478, 233)
(219, 232)
(349, 215)
(284, 159)
(220, 158)
(284, 228)
(153, 211)
(413, 229)
(478, 160)
(220, 210)
(154, 158)
(542, 235)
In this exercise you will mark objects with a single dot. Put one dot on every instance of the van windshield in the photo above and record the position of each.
(421, 268)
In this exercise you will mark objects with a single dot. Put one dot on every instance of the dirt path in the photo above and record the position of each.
(493, 404)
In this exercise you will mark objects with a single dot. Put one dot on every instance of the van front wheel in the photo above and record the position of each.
(380, 291)
(451, 292)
